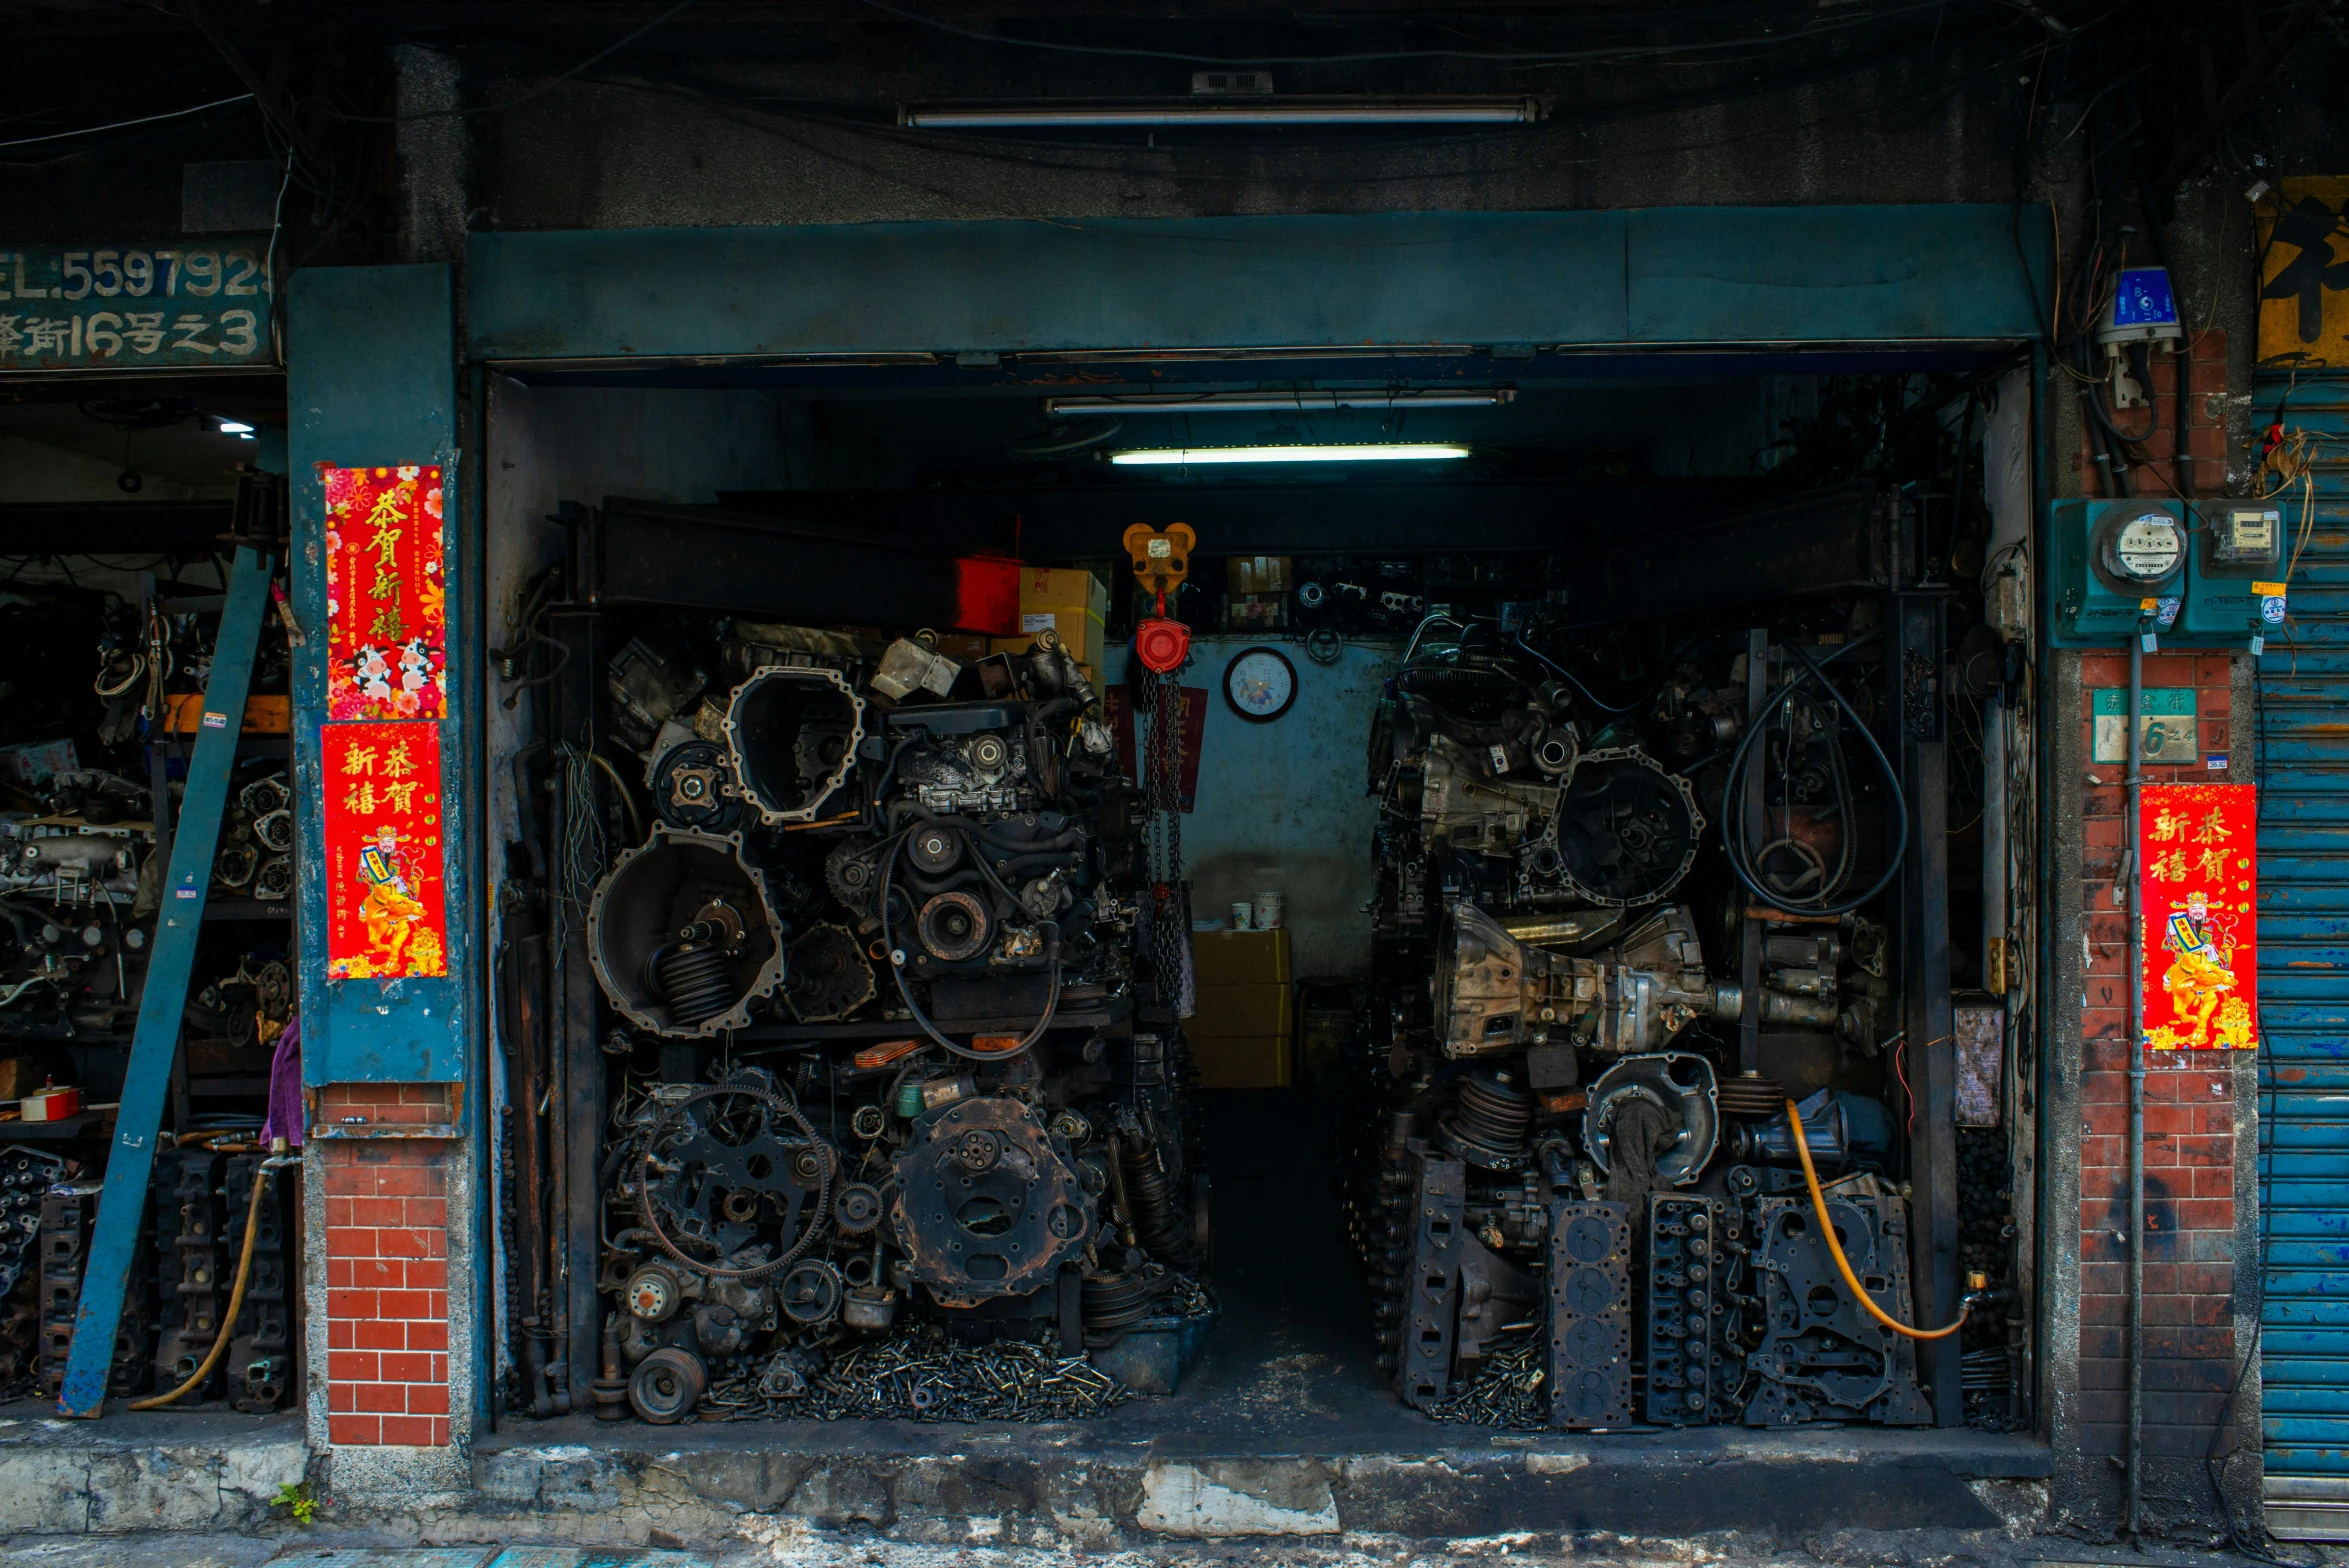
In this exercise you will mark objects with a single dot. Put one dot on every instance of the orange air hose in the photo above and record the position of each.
(236, 1302)
(1835, 1248)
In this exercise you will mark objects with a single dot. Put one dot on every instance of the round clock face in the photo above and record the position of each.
(2148, 547)
(1260, 683)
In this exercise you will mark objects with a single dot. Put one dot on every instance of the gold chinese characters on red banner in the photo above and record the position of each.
(386, 593)
(2197, 858)
(386, 902)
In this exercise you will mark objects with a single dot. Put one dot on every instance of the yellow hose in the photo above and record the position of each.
(1835, 1248)
(236, 1302)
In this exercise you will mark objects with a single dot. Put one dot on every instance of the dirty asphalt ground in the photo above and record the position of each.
(765, 1543)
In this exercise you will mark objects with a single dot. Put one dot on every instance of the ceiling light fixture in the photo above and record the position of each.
(236, 427)
(1094, 114)
(1196, 456)
(1276, 402)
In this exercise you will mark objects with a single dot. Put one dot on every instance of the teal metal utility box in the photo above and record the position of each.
(2201, 574)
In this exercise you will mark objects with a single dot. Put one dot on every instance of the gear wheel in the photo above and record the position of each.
(719, 1157)
(829, 978)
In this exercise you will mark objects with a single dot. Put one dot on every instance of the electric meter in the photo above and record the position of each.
(2141, 550)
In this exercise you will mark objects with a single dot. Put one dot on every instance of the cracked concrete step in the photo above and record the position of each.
(481, 1557)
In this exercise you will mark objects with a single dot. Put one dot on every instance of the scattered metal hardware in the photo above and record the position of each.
(922, 1375)
(1510, 1391)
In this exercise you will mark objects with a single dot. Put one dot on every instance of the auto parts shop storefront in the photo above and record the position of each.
(845, 1006)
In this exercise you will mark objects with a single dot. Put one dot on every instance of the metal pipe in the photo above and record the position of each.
(1994, 848)
(2135, 1474)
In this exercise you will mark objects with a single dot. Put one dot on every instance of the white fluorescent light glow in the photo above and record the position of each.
(1276, 402)
(1046, 116)
(1195, 456)
(232, 427)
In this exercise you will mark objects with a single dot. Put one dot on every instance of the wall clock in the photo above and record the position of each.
(1259, 684)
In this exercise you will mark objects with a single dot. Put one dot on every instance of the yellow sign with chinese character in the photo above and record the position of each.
(2304, 275)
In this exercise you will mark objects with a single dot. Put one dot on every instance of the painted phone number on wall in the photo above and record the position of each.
(198, 327)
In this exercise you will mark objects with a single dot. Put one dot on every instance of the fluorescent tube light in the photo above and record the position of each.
(1195, 456)
(1180, 112)
(234, 427)
(1276, 402)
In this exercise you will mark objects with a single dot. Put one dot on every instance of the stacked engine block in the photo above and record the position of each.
(1552, 1137)
(891, 1073)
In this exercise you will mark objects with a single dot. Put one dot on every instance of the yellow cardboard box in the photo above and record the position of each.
(1244, 1061)
(1242, 1010)
(1240, 957)
(1069, 600)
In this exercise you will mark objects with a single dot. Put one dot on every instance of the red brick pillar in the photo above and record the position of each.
(387, 1265)
(2190, 1270)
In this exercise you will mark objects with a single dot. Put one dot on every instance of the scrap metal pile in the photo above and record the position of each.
(1573, 1206)
(891, 1137)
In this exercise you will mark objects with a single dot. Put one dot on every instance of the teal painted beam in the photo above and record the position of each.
(371, 381)
(1405, 281)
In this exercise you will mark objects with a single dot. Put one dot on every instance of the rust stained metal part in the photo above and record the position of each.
(987, 1205)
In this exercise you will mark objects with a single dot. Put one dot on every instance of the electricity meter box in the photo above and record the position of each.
(2234, 573)
(2198, 575)
(2117, 565)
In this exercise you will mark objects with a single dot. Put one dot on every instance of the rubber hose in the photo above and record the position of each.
(1835, 1248)
(236, 1301)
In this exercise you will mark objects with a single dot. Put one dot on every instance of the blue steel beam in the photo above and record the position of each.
(122, 1206)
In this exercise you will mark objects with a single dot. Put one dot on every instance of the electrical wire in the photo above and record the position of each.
(1507, 57)
(119, 125)
(1733, 820)
(541, 89)
(1023, 152)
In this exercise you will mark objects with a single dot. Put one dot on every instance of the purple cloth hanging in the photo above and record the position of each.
(285, 1088)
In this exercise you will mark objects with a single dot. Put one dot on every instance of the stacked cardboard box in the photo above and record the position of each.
(1072, 602)
(1243, 1035)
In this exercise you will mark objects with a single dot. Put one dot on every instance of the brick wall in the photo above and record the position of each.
(2189, 1131)
(387, 1268)
(2206, 428)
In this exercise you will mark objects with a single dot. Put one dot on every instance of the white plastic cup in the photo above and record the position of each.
(1241, 910)
(1268, 910)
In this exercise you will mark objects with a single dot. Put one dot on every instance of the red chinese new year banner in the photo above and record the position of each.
(2198, 885)
(386, 904)
(386, 595)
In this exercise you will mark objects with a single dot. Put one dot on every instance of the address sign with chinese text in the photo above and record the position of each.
(136, 307)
